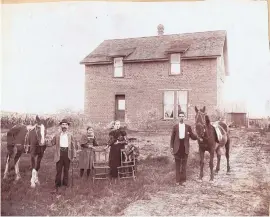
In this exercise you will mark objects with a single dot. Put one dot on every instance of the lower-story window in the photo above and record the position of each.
(168, 104)
(174, 102)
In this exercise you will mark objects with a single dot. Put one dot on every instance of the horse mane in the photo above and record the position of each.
(207, 120)
(30, 127)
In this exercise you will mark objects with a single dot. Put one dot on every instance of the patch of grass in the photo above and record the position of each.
(85, 198)
(156, 160)
(156, 172)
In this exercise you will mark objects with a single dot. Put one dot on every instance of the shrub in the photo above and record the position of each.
(77, 119)
(217, 115)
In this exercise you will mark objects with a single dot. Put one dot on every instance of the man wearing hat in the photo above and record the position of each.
(179, 145)
(64, 153)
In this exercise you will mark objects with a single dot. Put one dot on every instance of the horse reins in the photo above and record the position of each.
(202, 118)
(27, 145)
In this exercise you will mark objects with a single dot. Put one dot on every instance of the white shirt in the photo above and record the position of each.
(64, 140)
(181, 131)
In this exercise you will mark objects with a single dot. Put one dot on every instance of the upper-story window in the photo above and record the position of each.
(118, 67)
(175, 64)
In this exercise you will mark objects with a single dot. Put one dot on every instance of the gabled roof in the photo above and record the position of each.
(191, 45)
(236, 107)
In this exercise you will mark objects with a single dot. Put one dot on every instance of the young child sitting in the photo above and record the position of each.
(131, 152)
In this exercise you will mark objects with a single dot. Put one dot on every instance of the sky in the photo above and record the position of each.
(43, 43)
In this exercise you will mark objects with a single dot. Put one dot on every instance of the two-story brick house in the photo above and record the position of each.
(136, 79)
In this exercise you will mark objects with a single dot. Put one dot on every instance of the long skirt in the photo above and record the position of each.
(86, 157)
(115, 159)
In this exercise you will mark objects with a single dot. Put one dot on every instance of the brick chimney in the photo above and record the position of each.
(160, 29)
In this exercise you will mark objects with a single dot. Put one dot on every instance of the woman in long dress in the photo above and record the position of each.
(118, 140)
(88, 142)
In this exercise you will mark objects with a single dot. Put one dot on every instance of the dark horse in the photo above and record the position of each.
(214, 138)
(22, 138)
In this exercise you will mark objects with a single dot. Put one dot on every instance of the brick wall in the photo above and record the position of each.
(142, 86)
(221, 77)
(220, 81)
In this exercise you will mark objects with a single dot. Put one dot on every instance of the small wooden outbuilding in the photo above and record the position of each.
(237, 114)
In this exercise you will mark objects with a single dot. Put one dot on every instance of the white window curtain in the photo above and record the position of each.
(118, 67)
(182, 101)
(168, 104)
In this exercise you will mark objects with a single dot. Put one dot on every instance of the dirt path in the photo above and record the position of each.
(244, 192)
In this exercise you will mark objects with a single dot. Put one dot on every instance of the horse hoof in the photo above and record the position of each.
(37, 183)
(216, 171)
(228, 173)
(33, 185)
(5, 177)
(211, 181)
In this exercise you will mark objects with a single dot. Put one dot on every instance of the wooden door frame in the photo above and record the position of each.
(117, 96)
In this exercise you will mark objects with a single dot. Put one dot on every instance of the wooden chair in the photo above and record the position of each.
(128, 168)
(75, 164)
(101, 169)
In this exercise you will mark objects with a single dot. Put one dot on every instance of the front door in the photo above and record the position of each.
(120, 107)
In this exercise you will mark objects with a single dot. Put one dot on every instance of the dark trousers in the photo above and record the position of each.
(82, 171)
(181, 163)
(62, 164)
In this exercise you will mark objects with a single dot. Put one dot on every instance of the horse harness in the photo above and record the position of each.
(203, 124)
(26, 139)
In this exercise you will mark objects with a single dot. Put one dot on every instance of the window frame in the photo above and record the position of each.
(186, 113)
(175, 105)
(168, 118)
(117, 67)
(118, 107)
(173, 62)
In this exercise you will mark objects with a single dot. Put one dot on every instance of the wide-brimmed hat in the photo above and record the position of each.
(64, 121)
(89, 127)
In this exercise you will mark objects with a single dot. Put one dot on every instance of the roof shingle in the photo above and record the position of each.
(191, 45)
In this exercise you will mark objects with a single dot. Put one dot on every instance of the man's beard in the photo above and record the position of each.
(64, 128)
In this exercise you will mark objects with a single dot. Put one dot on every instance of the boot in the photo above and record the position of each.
(88, 172)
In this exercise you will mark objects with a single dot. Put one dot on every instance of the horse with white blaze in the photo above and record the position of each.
(27, 139)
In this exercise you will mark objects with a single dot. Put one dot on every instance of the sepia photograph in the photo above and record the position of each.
(135, 108)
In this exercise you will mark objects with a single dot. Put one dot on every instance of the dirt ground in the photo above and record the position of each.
(246, 191)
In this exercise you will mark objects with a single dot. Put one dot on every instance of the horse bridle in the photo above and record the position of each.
(27, 145)
(202, 116)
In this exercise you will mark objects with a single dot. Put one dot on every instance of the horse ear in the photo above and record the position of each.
(204, 109)
(37, 119)
(196, 109)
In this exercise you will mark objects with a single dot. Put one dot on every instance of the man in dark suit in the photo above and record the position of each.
(180, 147)
(64, 153)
